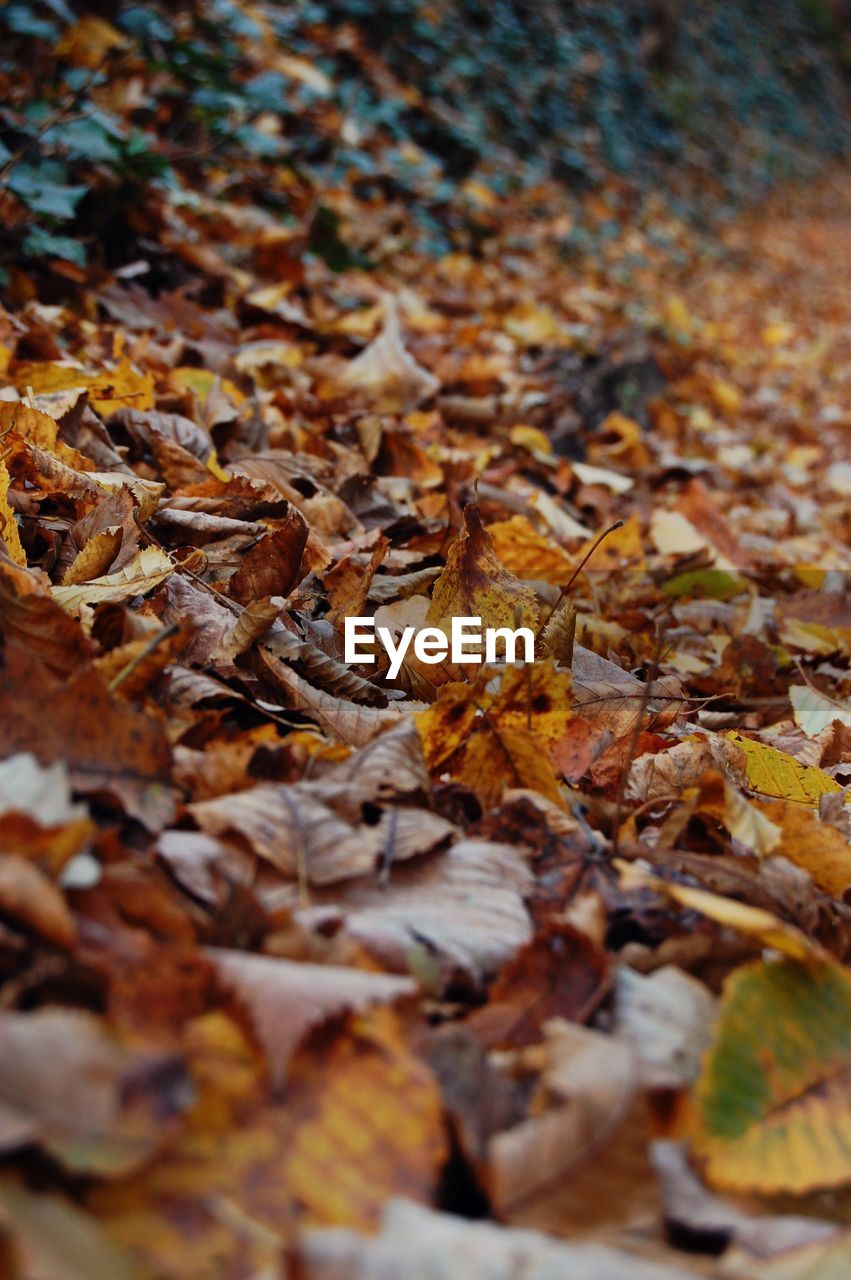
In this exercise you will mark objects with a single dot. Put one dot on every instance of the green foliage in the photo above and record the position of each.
(565, 88)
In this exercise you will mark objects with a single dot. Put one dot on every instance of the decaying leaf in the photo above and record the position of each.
(456, 916)
(475, 585)
(109, 748)
(271, 567)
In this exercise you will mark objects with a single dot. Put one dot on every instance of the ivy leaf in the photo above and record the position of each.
(42, 195)
(44, 244)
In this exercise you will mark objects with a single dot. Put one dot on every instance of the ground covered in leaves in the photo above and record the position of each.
(541, 967)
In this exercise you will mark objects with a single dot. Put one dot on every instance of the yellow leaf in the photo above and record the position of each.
(535, 698)
(20, 419)
(754, 922)
(88, 41)
(531, 438)
(622, 547)
(95, 558)
(248, 1166)
(474, 584)
(202, 382)
(773, 1106)
(447, 724)
(727, 397)
(774, 773)
(148, 568)
(215, 467)
(677, 316)
(120, 388)
(504, 756)
(816, 846)
(524, 551)
(8, 524)
(534, 325)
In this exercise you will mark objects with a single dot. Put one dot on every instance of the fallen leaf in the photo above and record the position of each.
(814, 711)
(108, 1109)
(774, 773)
(148, 568)
(8, 524)
(474, 584)
(109, 747)
(385, 374)
(523, 551)
(771, 1106)
(666, 1017)
(272, 566)
(457, 916)
(286, 1000)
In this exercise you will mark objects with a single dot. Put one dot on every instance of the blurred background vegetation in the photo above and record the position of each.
(109, 109)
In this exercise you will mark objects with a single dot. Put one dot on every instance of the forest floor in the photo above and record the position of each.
(310, 972)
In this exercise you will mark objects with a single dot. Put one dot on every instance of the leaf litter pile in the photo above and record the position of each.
(476, 971)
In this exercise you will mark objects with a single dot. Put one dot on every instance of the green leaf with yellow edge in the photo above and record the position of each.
(772, 1108)
(475, 584)
(774, 773)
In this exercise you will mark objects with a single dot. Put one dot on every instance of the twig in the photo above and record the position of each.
(646, 694)
(128, 669)
(582, 563)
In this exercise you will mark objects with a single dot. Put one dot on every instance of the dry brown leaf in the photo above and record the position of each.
(299, 831)
(272, 566)
(285, 999)
(385, 375)
(455, 915)
(68, 1084)
(346, 721)
(109, 747)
